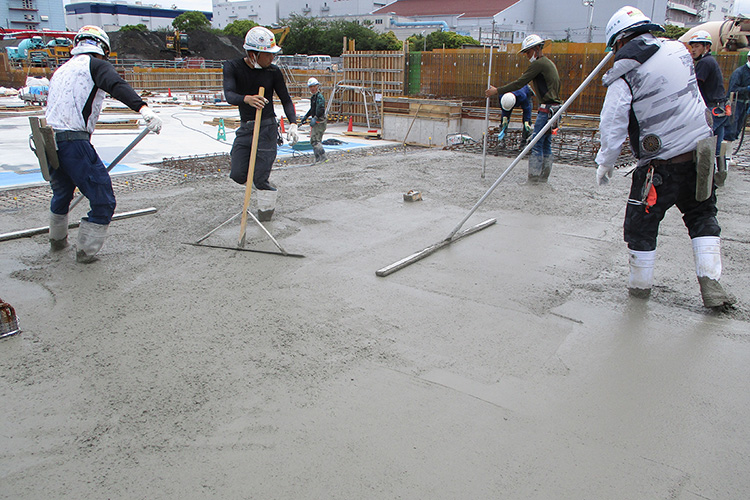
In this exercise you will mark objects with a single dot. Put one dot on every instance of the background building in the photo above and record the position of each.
(113, 16)
(33, 14)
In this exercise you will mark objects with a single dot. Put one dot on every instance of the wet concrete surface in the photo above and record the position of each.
(510, 364)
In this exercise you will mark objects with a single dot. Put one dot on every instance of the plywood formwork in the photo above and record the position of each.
(462, 73)
(425, 122)
(379, 72)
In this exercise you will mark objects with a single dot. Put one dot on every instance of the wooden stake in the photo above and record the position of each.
(250, 171)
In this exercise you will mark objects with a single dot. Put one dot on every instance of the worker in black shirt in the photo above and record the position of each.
(242, 80)
(317, 115)
(711, 85)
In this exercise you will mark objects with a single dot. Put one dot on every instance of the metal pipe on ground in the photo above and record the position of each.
(25, 233)
(112, 165)
(454, 236)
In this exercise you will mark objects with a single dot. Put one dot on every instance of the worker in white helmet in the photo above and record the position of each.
(523, 99)
(542, 74)
(653, 99)
(76, 95)
(242, 80)
(317, 116)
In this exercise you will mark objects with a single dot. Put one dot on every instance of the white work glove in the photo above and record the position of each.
(153, 122)
(291, 134)
(603, 174)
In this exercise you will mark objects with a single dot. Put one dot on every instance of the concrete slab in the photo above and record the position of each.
(511, 364)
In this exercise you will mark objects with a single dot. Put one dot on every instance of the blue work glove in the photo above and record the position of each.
(313, 121)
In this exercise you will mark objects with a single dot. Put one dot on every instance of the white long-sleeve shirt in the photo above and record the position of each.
(615, 113)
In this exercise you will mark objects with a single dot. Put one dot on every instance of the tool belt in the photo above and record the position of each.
(263, 122)
(551, 109)
(71, 135)
(688, 157)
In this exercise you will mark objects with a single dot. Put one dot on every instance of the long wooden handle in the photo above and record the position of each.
(250, 171)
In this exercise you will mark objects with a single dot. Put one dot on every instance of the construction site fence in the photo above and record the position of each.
(462, 74)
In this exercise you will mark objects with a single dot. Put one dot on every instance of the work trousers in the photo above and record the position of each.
(316, 137)
(675, 185)
(242, 148)
(81, 167)
(544, 146)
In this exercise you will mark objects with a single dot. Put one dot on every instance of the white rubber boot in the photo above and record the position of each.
(90, 240)
(266, 204)
(641, 273)
(707, 252)
(58, 231)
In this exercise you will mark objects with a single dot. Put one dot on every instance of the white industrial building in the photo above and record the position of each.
(112, 16)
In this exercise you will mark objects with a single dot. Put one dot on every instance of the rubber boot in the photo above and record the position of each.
(641, 273)
(320, 153)
(535, 168)
(546, 168)
(90, 240)
(707, 252)
(58, 231)
(266, 204)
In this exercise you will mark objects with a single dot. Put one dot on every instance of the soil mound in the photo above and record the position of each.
(151, 45)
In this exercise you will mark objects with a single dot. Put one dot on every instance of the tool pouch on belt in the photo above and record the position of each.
(552, 109)
(42, 142)
(705, 163)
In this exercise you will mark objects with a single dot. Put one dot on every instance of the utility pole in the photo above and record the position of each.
(590, 5)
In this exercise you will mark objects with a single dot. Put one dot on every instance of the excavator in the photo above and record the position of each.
(177, 42)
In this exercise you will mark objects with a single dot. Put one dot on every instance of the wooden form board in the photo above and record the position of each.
(427, 109)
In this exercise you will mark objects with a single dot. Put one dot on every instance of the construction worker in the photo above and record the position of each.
(317, 116)
(242, 80)
(76, 94)
(711, 84)
(652, 98)
(542, 74)
(518, 98)
(739, 83)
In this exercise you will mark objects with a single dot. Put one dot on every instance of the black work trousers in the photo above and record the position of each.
(675, 185)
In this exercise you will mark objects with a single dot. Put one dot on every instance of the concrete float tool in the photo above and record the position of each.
(455, 235)
(245, 211)
(41, 135)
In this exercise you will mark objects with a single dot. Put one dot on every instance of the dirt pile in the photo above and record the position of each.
(151, 45)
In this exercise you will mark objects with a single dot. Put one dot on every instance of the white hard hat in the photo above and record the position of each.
(628, 20)
(530, 42)
(700, 36)
(507, 101)
(312, 81)
(91, 40)
(260, 39)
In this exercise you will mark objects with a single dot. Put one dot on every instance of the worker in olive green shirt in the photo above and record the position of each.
(543, 76)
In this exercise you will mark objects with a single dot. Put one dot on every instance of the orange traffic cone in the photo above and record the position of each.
(282, 126)
(351, 124)
(169, 92)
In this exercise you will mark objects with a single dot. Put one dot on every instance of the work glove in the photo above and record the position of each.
(291, 134)
(504, 122)
(603, 174)
(153, 122)
(313, 121)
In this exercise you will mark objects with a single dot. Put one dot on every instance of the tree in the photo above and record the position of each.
(449, 40)
(239, 28)
(191, 21)
(134, 27)
(316, 36)
(672, 31)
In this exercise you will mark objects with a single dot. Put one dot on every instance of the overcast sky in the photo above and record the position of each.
(741, 6)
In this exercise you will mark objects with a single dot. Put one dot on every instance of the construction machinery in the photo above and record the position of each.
(32, 50)
(729, 35)
(177, 42)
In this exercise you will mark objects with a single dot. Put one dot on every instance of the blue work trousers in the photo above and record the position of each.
(81, 167)
(544, 146)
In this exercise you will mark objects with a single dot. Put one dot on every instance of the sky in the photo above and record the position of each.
(741, 6)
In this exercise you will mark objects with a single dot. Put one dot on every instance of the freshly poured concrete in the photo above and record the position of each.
(511, 364)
